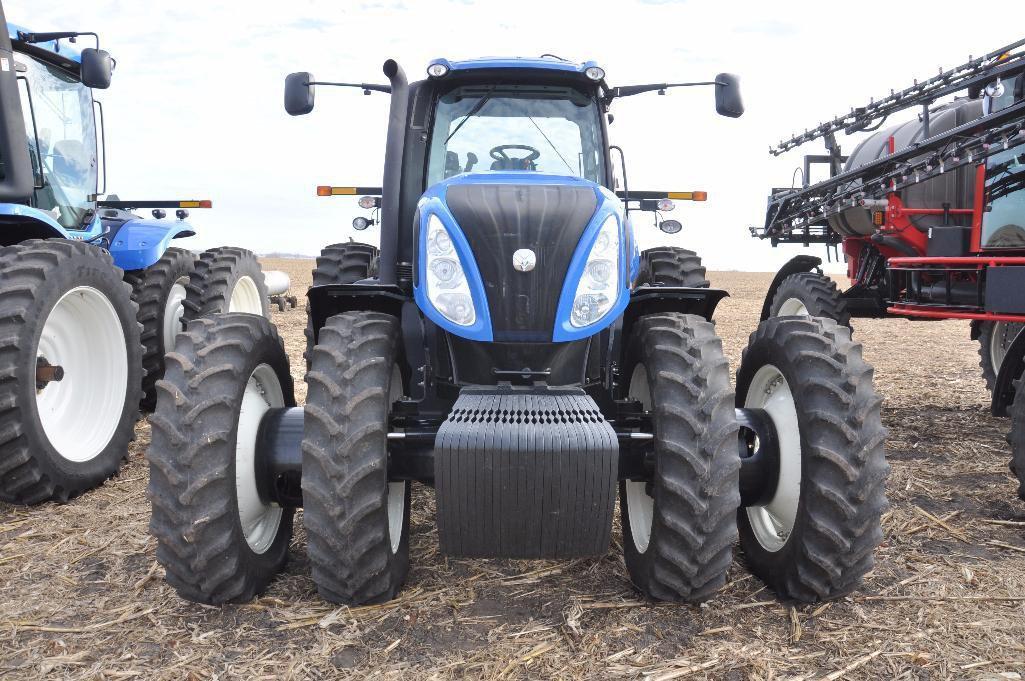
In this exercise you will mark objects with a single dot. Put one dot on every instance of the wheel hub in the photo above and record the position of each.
(47, 373)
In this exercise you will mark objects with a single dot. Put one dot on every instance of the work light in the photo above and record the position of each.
(594, 72)
(437, 70)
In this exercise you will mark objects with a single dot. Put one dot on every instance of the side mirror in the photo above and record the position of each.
(727, 96)
(299, 93)
(97, 68)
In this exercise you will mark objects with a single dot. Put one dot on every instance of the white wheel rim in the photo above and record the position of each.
(396, 494)
(260, 521)
(1000, 340)
(245, 297)
(640, 505)
(773, 522)
(793, 307)
(173, 311)
(80, 413)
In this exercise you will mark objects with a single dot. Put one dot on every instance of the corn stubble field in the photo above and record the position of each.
(82, 597)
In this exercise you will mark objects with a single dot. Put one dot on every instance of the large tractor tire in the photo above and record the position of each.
(810, 294)
(356, 519)
(671, 266)
(994, 340)
(814, 537)
(679, 526)
(70, 370)
(159, 290)
(218, 541)
(226, 279)
(344, 263)
(1016, 438)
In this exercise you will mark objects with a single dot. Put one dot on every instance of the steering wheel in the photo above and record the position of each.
(498, 153)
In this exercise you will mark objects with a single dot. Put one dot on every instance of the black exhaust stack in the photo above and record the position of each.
(392, 183)
(17, 181)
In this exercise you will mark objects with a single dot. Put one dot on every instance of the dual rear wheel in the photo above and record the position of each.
(219, 539)
(811, 530)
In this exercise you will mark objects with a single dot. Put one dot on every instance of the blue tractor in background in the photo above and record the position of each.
(91, 294)
(509, 344)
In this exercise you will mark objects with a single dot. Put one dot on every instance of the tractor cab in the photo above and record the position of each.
(52, 117)
(52, 151)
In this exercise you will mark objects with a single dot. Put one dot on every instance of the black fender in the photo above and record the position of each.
(1010, 371)
(327, 301)
(654, 299)
(799, 263)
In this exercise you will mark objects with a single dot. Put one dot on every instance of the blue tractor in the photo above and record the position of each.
(91, 294)
(509, 345)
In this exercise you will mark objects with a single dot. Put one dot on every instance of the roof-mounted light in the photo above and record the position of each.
(595, 73)
(437, 70)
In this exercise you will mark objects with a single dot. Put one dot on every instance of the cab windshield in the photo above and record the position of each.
(62, 142)
(516, 128)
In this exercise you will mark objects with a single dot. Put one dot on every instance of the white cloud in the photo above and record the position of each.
(195, 109)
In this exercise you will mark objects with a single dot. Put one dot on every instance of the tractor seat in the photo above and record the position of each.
(514, 164)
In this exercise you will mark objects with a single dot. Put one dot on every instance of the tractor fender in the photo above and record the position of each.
(1011, 370)
(646, 300)
(799, 263)
(331, 299)
(19, 223)
(137, 244)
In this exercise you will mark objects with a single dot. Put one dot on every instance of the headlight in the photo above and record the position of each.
(599, 283)
(447, 288)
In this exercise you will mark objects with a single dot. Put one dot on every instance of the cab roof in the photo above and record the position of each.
(547, 63)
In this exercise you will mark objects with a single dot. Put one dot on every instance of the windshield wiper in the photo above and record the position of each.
(471, 113)
(554, 148)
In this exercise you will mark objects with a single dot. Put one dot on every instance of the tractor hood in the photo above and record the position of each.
(516, 245)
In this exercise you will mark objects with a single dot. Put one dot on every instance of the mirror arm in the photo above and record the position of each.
(57, 35)
(630, 90)
(366, 87)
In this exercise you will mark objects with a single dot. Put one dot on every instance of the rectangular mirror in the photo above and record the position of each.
(727, 96)
(97, 68)
(299, 93)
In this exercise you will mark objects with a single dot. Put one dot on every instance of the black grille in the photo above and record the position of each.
(498, 220)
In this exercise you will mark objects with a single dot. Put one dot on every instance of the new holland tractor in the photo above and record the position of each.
(510, 346)
(91, 295)
(930, 214)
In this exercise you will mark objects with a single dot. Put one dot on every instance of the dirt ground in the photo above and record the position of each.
(82, 597)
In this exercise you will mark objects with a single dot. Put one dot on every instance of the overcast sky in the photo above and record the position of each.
(195, 109)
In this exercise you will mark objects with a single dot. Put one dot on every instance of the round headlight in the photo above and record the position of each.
(670, 226)
(360, 223)
(439, 243)
(437, 70)
(595, 72)
(368, 202)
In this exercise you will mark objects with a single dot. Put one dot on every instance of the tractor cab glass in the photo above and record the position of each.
(1003, 222)
(61, 136)
(516, 128)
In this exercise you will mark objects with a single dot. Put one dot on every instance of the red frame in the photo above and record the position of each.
(897, 223)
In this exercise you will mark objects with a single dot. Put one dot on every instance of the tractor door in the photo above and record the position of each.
(61, 136)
